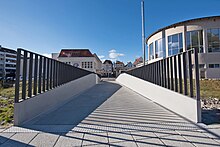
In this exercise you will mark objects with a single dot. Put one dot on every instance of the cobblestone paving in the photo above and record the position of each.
(109, 115)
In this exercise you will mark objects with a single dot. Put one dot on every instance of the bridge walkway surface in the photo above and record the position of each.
(108, 114)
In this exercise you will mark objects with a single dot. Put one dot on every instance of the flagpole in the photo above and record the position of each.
(143, 32)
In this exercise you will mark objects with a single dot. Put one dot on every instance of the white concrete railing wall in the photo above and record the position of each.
(178, 103)
(30, 108)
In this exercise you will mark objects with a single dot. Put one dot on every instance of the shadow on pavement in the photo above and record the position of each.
(73, 112)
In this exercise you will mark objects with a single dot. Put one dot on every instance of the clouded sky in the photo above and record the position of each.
(109, 28)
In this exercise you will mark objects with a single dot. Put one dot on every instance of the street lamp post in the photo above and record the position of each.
(143, 32)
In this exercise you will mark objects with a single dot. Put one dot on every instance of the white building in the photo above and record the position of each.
(7, 62)
(107, 68)
(81, 58)
(201, 33)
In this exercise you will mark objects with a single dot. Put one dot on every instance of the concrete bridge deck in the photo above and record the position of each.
(108, 114)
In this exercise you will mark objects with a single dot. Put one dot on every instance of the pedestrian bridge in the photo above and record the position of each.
(66, 110)
(109, 114)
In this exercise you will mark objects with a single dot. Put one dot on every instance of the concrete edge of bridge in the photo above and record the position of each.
(30, 108)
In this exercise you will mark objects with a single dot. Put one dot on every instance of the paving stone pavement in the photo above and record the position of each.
(109, 115)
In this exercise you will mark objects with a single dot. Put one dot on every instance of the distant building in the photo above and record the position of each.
(55, 56)
(7, 62)
(107, 68)
(128, 66)
(119, 66)
(81, 58)
(138, 62)
(201, 33)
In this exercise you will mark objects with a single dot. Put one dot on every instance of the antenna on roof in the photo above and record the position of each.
(143, 31)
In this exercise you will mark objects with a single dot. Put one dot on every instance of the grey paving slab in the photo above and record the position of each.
(146, 138)
(70, 140)
(120, 137)
(123, 144)
(20, 139)
(95, 139)
(149, 142)
(44, 140)
(198, 139)
(143, 135)
(5, 136)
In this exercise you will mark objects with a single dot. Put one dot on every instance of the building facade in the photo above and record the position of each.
(201, 33)
(138, 62)
(107, 68)
(81, 58)
(7, 63)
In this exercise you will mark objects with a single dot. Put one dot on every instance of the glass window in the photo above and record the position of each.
(201, 65)
(159, 52)
(151, 50)
(213, 36)
(211, 65)
(175, 44)
(214, 66)
(194, 39)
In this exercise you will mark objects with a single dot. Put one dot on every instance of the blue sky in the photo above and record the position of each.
(106, 27)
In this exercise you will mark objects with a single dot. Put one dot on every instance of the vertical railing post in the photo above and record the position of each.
(165, 73)
(30, 75)
(175, 73)
(54, 74)
(48, 73)
(35, 74)
(162, 73)
(40, 75)
(185, 74)
(180, 74)
(24, 76)
(51, 73)
(197, 85)
(168, 73)
(17, 81)
(171, 73)
(190, 73)
(44, 75)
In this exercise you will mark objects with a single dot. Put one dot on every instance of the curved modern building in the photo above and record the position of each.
(201, 33)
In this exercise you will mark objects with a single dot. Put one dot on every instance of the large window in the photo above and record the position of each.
(214, 65)
(151, 49)
(159, 48)
(87, 65)
(194, 40)
(213, 36)
(175, 44)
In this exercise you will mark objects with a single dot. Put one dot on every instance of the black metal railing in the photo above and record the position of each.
(37, 74)
(174, 73)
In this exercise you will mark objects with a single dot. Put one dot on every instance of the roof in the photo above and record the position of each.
(138, 60)
(97, 57)
(75, 53)
(107, 62)
(181, 23)
(3, 49)
(119, 62)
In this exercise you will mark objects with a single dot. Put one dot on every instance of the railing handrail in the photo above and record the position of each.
(180, 62)
(48, 74)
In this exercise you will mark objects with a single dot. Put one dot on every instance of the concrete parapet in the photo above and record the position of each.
(30, 108)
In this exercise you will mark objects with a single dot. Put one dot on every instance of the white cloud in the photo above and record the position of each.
(101, 57)
(114, 55)
(174, 44)
(47, 55)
